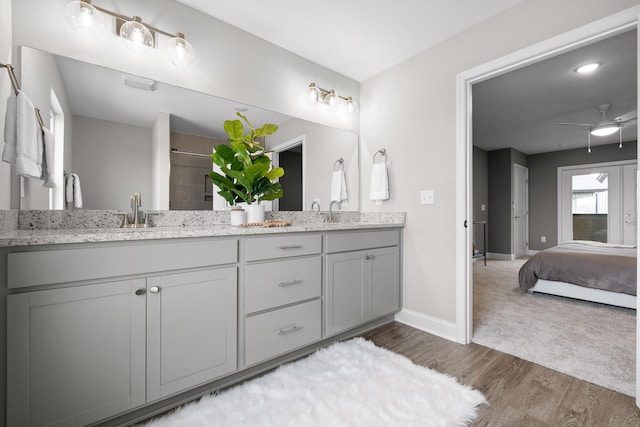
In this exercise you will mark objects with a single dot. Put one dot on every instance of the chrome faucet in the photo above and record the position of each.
(136, 203)
(331, 218)
(315, 203)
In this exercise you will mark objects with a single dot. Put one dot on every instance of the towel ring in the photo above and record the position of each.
(339, 163)
(383, 154)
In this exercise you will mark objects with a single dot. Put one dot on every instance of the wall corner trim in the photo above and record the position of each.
(426, 323)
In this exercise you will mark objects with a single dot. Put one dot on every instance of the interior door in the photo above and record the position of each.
(520, 210)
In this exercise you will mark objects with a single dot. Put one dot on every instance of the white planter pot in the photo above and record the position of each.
(237, 216)
(255, 213)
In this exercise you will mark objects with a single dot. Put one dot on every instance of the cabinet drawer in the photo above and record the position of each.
(342, 242)
(69, 265)
(282, 247)
(278, 283)
(270, 334)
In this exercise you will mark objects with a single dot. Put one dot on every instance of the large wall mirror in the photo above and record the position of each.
(122, 134)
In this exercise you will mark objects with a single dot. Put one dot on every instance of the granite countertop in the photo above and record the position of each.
(91, 235)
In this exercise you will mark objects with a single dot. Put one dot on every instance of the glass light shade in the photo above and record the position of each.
(180, 51)
(605, 130)
(136, 36)
(331, 99)
(351, 106)
(85, 19)
(313, 92)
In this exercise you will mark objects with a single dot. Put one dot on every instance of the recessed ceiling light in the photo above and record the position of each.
(587, 68)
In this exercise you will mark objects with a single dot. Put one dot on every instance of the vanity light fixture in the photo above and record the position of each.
(87, 20)
(331, 98)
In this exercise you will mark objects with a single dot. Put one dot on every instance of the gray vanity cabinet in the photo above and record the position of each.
(80, 352)
(191, 329)
(282, 295)
(362, 278)
(76, 354)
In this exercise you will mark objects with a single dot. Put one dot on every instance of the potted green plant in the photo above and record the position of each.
(246, 173)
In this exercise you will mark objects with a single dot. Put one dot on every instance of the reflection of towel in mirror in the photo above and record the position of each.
(48, 159)
(379, 182)
(28, 146)
(73, 193)
(9, 151)
(338, 186)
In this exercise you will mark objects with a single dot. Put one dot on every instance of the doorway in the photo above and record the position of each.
(291, 155)
(520, 210)
(583, 36)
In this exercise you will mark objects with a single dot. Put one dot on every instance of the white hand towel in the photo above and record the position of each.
(28, 148)
(68, 189)
(338, 186)
(379, 182)
(48, 159)
(9, 151)
(77, 192)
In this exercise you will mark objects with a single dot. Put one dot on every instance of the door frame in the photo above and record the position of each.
(276, 150)
(587, 34)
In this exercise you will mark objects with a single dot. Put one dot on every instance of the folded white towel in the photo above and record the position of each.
(48, 159)
(379, 182)
(338, 186)
(73, 193)
(9, 151)
(28, 147)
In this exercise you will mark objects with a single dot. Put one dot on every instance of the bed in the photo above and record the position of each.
(592, 271)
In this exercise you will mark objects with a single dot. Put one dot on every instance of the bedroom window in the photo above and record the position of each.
(597, 202)
(590, 206)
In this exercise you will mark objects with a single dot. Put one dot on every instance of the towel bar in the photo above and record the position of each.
(383, 154)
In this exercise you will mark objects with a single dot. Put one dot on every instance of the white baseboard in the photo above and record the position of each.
(532, 251)
(502, 257)
(428, 324)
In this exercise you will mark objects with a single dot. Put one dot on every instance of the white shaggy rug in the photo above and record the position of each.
(350, 384)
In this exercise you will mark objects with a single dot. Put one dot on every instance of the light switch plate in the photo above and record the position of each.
(427, 197)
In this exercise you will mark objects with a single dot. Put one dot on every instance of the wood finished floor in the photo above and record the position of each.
(520, 393)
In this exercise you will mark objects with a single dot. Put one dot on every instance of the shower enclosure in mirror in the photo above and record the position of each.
(123, 134)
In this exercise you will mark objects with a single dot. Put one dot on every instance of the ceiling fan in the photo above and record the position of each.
(607, 126)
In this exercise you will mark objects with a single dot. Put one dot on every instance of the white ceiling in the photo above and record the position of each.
(357, 38)
(522, 109)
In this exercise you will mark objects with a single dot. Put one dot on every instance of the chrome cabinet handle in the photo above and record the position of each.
(286, 331)
(290, 282)
(141, 291)
(154, 289)
(290, 247)
(368, 257)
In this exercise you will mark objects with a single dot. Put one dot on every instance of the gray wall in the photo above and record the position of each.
(120, 172)
(543, 187)
(480, 193)
(500, 166)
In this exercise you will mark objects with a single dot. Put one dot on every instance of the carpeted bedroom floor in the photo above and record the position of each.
(590, 341)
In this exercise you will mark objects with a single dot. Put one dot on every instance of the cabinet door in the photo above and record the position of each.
(348, 297)
(385, 280)
(76, 354)
(192, 329)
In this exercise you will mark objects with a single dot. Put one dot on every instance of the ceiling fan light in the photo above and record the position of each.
(587, 68)
(136, 36)
(85, 19)
(605, 130)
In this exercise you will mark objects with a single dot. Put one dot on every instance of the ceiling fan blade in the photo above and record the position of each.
(575, 124)
(627, 116)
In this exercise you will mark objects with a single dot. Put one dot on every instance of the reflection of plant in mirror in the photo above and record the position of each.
(246, 169)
